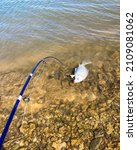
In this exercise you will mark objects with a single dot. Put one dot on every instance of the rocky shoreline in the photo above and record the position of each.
(62, 115)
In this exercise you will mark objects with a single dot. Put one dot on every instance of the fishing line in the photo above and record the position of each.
(25, 111)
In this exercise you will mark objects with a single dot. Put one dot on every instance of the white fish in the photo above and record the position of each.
(81, 72)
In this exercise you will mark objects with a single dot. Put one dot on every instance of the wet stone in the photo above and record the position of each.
(95, 143)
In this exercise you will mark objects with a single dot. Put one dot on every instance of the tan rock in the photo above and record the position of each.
(110, 128)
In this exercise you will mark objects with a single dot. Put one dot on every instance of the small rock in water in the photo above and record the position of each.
(95, 143)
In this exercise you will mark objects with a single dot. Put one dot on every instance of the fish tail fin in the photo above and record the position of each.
(85, 62)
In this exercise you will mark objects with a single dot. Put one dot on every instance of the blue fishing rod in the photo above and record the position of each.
(7, 125)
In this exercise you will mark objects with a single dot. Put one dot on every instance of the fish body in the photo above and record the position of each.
(80, 73)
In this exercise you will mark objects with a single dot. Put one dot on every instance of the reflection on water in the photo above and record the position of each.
(49, 26)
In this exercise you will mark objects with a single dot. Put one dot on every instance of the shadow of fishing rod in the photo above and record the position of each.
(7, 125)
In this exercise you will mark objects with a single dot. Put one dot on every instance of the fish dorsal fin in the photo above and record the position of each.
(85, 62)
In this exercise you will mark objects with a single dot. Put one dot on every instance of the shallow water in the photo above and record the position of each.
(30, 30)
